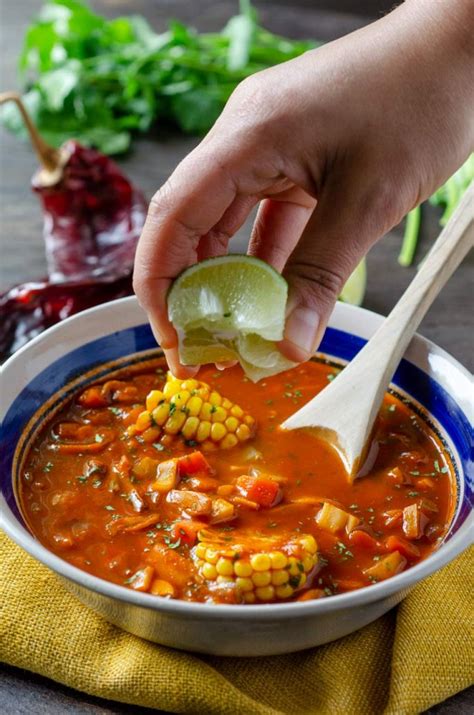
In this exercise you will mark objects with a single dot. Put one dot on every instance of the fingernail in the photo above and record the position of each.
(301, 333)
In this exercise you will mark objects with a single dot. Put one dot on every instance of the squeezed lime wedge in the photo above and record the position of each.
(354, 289)
(231, 308)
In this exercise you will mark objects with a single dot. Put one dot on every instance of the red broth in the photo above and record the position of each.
(272, 518)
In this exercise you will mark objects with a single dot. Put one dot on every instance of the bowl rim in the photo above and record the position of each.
(209, 611)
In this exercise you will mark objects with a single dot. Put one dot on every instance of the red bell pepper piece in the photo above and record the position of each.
(193, 463)
(186, 531)
(262, 490)
(398, 543)
(361, 538)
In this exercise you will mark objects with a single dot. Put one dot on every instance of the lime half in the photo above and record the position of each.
(231, 308)
(354, 289)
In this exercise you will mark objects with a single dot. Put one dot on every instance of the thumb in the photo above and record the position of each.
(339, 233)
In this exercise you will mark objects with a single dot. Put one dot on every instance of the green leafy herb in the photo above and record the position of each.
(448, 197)
(101, 81)
(48, 467)
(109, 507)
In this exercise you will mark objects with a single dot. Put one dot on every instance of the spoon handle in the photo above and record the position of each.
(345, 411)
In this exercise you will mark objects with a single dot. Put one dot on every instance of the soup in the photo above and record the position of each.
(189, 489)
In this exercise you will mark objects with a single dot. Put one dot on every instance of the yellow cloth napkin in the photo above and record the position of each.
(411, 658)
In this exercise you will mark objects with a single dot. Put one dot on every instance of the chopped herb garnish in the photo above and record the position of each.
(354, 506)
(227, 315)
(133, 578)
(272, 524)
(444, 470)
(294, 581)
(48, 467)
(213, 409)
(160, 447)
(97, 483)
(269, 402)
(172, 408)
(298, 482)
(300, 566)
(436, 465)
(191, 443)
(415, 473)
(370, 509)
(99, 438)
(298, 393)
(172, 544)
(328, 591)
(287, 394)
(82, 479)
(413, 494)
(115, 411)
(392, 408)
(109, 507)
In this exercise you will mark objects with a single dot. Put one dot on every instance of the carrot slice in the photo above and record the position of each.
(186, 531)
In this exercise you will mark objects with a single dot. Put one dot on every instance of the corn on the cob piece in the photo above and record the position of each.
(263, 569)
(190, 408)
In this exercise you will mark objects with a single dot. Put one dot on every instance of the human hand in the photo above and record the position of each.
(337, 145)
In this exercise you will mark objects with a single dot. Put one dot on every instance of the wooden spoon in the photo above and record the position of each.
(345, 411)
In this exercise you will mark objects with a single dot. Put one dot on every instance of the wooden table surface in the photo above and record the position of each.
(448, 323)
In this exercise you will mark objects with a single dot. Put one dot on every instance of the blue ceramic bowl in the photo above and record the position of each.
(37, 380)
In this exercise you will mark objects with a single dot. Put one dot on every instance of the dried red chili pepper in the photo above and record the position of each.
(93, 216)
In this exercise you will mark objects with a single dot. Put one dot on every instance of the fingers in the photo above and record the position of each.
(216, 242)
(187, 207)
(340, 231)
(280, 222)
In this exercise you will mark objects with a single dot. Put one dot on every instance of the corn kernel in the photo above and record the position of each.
(225, 579)
(181, 398)
(284, 591)
(203, 393)
(161, 588)
(261, 578)
(161, 413)
(242, 568)
(293, 566)
(230, 440)
(302, 580)
(249, 420)
(206, 411)
(215, 399)
(174, 423)
(267, 593)
(236, 411)
(190, 427)
(143, 421)
(153, 398)
(212, 556)
(171, 388)
(219, 415)
(204, 430)
(280, 577)
(194, 406)
(225, 490)
(278, 559)
(190, 385)
(308, 543)
(231, 423)
(131, 430)
(244, 584)
(167, 440)
(308, 562)
(201, 551)
(249, 597)
(209, 572)
(151, 434)
(226, 404)
(209, 446)
(224, 567)
(218, 431)
(243, 433)
(260, 562)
